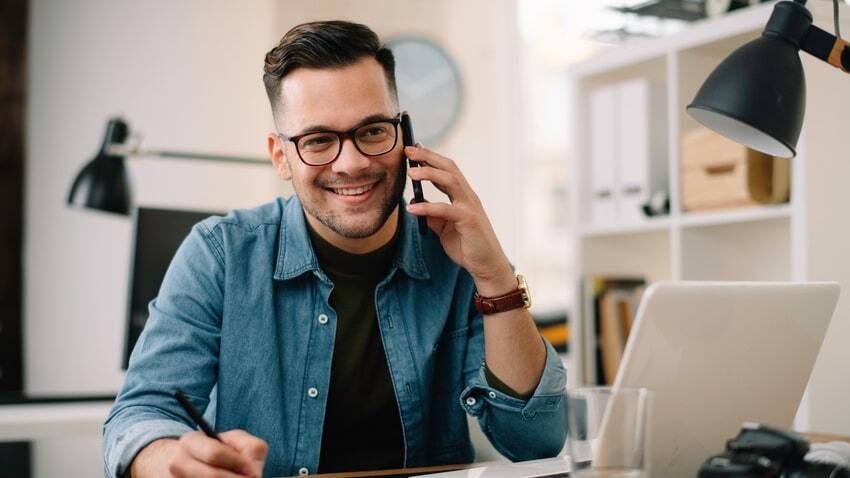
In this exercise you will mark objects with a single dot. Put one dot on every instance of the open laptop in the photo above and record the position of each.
(715, 355)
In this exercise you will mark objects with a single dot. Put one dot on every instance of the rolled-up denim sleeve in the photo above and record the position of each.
(178, 348)
(519, 429)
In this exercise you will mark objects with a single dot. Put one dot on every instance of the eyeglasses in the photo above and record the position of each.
(319, 148)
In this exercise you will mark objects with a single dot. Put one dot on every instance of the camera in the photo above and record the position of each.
(760, 451)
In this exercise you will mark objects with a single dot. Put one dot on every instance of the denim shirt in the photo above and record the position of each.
(243, 326)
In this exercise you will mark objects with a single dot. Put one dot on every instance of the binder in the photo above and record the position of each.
(603, 150)
(641, 155)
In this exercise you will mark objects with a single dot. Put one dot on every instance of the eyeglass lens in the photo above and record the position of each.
(372, 139)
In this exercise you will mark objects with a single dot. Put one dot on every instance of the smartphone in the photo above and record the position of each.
(407, 138)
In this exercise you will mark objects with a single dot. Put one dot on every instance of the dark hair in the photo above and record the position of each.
(324, 44)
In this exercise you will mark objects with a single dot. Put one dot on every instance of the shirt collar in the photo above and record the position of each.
(295, 254)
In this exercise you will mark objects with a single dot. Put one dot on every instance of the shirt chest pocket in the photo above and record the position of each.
(450, 338)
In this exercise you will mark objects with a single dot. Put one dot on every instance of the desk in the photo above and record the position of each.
(824, 437)
(405, 472)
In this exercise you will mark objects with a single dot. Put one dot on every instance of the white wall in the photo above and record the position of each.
(828, 172)
(187, 75)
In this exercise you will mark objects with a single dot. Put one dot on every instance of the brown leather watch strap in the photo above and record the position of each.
(491, 305)
(514, 299)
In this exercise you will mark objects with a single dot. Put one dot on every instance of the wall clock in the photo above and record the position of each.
(429, 87)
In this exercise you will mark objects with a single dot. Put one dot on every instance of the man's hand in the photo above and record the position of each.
(197, 455)
(513, 349)
(463, 227)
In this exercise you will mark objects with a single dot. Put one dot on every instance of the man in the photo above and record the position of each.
(323, 331)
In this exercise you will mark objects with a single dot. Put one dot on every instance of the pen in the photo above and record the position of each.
(194, 415)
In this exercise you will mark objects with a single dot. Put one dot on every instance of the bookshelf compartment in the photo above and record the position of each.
(625, 142)
(641, 254)
(751, 251)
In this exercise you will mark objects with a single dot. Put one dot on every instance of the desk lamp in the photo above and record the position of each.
(757, 95)
(103, 183)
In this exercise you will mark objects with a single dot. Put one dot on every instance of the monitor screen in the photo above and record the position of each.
(158, 234)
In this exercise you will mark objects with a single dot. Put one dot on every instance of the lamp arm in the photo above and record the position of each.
(124, 150)
(207, 157)
(826, 46)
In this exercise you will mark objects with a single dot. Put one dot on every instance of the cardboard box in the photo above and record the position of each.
(717, 173)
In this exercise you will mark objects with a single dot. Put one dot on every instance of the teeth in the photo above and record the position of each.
(353, 191)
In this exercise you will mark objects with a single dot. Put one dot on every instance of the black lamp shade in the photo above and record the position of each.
(102, 183)
(756, 97)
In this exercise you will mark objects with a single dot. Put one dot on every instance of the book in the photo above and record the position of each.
(610, 307)
(555, 328)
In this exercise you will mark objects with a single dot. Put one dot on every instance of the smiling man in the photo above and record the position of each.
(322, 332)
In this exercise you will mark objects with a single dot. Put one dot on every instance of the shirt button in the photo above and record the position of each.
(323, 319)
(312, 393)
(471, 401)
(492, 394)
(303, 471)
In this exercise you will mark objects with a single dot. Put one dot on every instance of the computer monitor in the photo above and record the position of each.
(158, 234)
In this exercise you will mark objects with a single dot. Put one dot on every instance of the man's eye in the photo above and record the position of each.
(372, 133)
(316, 142)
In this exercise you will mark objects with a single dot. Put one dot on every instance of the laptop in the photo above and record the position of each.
(715, 355)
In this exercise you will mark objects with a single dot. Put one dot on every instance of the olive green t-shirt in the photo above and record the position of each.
(362, 427)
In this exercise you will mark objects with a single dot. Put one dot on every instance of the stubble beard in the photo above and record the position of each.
(340, 226)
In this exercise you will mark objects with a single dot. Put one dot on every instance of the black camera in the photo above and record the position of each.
(763, 452)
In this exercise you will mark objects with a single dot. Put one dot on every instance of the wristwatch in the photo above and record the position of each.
(519, 297)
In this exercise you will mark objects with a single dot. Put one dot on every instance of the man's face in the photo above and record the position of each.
(339, 99)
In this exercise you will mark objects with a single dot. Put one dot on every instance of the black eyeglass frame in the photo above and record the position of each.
(341, 135)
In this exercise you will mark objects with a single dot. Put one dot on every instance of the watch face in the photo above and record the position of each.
(526, 292)
(429, 87)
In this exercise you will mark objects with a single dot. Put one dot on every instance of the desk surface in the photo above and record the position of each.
(405, 472)
(34, 421)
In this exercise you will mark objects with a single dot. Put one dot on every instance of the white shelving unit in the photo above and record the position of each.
(27, 422)
(755, 243)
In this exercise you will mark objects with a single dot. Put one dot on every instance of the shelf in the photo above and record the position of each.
(29, 422)
(733, 216)
(795, 241)
(688, 220)
(755, 250)
(650, 225)
(698, 34)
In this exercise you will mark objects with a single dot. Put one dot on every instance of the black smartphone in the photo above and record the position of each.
(407, 138)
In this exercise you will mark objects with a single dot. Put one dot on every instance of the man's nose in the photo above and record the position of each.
(350, 161)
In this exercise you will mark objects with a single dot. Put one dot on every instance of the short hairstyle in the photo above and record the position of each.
(324, 44)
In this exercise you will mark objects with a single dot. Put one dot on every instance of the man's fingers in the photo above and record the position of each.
(253, 448)
(439, 210)
(443, 180)
(215, 454)
(184, 466)
(425, 155)
(437, 225)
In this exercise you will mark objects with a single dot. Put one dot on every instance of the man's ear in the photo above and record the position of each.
(277, 153)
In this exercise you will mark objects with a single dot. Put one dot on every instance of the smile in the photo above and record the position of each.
(353, 191)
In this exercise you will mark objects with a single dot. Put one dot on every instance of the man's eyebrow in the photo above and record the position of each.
(369, 119)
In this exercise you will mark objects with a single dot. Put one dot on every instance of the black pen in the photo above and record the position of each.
(194, 415)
